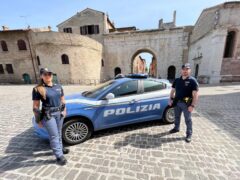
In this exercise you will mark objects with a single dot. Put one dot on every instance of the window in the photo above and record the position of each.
(1, 69)
(98, 90)
(117, 71)
(125, 89)
(196, 70)
(230, 43)
(21, 45)
(83, 30)
(9, 68)
(91, 29)
(102, 63)
(150, 85)
(38, 61)
(65, 59)
(4, 46)
(67, 30)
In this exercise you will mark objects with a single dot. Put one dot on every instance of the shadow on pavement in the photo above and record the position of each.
(25, 150)
(145, 140)
(128, 128)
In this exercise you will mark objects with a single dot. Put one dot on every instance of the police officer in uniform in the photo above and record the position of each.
(183, 97)
(52, 113)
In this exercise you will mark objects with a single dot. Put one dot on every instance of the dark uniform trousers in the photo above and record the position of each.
(178, 109)
(54, 129)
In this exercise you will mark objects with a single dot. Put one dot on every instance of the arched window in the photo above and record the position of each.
(196, 70)
(4, 46)
(21, 45)
(38, 61)
(102, 63)
(65, 59)
(230, 44)
(117, 71)
(171, 72)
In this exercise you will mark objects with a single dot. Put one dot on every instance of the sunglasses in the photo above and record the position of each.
(47, 74)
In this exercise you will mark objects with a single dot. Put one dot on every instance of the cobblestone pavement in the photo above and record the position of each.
(142, 151)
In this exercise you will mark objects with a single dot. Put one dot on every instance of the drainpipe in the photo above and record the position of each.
(36, 80)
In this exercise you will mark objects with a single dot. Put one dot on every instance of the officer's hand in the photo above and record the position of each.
(190, 108)
(64, 113)
(170, 102)
(40, 124)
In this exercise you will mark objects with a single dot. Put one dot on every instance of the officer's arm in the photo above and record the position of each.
(172, 93)
(36, 104)
(63, 102)
(36, 111)
(195, 98)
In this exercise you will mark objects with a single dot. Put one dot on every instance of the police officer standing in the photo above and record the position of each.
(183, 97)
(53, 112)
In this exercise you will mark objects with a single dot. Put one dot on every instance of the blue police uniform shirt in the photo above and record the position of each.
(53, 95)
(185, 87)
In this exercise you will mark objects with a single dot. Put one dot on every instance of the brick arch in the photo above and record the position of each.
(144, 50)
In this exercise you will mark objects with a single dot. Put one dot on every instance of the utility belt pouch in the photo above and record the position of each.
(63, 107)
(46, 114)
(188, 101)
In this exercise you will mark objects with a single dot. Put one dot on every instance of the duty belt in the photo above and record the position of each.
(54, 109)
(187, 100)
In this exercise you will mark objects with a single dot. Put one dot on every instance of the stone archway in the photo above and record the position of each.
(136, 68)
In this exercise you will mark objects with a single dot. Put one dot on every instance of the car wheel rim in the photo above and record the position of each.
(76, 132)
(170, 117)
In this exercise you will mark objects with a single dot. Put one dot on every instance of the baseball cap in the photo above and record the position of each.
(45, 70)
(187, 65)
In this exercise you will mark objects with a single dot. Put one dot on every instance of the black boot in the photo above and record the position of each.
(65, 150)
(61, 161)
(173, 131)
(188, 138)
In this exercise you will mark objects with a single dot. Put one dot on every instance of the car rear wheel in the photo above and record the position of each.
(169, 116)
(76, 131)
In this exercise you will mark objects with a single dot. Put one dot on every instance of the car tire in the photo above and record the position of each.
(76, 131)
(169, 116)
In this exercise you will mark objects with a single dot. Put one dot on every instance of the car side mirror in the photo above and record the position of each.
(109, 96)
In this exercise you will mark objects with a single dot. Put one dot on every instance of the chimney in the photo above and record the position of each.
(174, 17)
(160, 24)
(5, 28)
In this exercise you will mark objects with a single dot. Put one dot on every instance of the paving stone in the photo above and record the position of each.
(140, 151)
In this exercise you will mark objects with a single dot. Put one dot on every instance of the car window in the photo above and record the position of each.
(98, 90)
(125, 89)
(150, 85)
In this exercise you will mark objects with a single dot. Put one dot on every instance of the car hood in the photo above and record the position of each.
(78, 101)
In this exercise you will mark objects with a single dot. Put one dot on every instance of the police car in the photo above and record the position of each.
(124, 100)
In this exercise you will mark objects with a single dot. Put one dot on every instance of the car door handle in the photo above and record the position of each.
(133, 101)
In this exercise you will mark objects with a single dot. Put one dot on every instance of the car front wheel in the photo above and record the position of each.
(169, 116)
(76, 131)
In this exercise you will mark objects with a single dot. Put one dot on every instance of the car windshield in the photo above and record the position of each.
(98, 90)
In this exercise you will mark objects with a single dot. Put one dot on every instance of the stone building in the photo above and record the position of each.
(122, 45)
(16, 58)
(88, 47)
(215, 44)
(24, 52)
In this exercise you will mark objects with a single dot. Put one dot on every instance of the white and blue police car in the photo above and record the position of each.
(124, 100)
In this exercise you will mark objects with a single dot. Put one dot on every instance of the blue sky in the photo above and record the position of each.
(143, 14)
